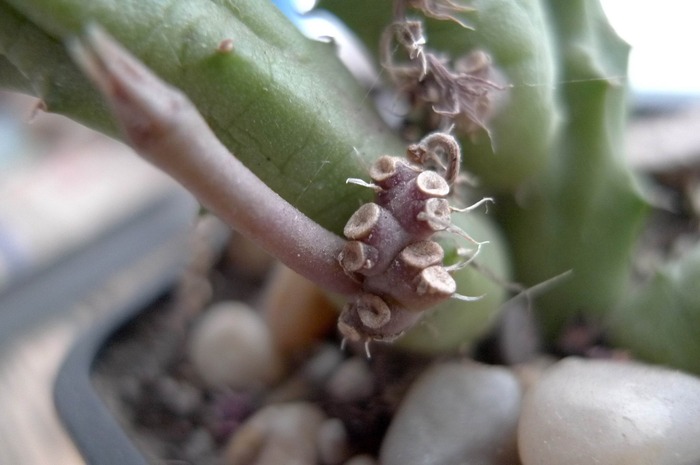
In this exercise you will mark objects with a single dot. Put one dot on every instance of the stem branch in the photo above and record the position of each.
(166, 129)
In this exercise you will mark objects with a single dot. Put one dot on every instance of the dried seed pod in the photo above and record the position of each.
(376, 227)
(401, 279)
(392, 323)
(431, 184)
(416, 196)
(388, 172)
(436, 281)
(359, 257)
(420, 255)
(433, 217)
(373, 311)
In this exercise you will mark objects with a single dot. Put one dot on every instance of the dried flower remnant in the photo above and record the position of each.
(447, 91)
(439, 9)
(430, 152)
(408, 36)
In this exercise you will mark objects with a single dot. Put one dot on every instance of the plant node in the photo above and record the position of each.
(389, 252)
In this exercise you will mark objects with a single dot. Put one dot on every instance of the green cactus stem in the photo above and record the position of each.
(585, 211)
(660, 319)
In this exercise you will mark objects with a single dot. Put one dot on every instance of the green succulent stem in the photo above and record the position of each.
(658, 319)
(585, 211)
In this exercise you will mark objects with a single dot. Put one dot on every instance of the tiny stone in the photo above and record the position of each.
(518, 337)
(333, 446)
(320, 367)
(248, 258)
(231, 346)
(199, 444)
(180, 398)
(296, 311)
(352, 381)
(277, 434)
(456, 413)
(610, 412)
(363, 459)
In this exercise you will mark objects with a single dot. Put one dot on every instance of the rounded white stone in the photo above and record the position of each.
(456, 413)
(231, 346)
(277, 434)
(585, 412)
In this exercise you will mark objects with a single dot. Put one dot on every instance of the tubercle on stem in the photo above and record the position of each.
(165, 128)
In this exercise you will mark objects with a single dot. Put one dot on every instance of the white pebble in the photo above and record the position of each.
(456, 412)
(332, 442)
(352, 381)
(361, 460)
(614, 413)
(231, 346)
(277, 434)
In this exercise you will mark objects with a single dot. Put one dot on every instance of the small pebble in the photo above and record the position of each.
(518, 339)
(323, 363)
(247, 257)
(352, 381)
(277, 434)
(585, 412)
(199, 444)
(231, 347)
(361, 460)
(298, 313)
(456, 413)
(333, 445)
(308, 381)
(180, 398)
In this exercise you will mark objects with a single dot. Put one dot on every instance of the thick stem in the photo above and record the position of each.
(168, 131)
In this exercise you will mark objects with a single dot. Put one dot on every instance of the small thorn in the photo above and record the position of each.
(225, 46)
(343, 343)
(367, 352)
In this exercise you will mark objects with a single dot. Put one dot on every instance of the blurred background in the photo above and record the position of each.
(76, 208)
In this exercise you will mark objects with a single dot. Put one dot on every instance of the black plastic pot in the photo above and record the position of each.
(148, 276)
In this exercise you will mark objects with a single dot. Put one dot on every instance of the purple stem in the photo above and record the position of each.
(165, 128)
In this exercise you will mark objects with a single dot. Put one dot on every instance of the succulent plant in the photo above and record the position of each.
(532, 90)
